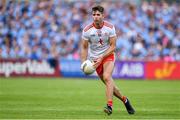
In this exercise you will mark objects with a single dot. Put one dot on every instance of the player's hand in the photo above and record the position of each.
(82, 65)
(97, 62)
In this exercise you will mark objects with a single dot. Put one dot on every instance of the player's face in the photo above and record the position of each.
(97, 16)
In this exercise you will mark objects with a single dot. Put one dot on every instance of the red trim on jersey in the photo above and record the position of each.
(88, 27)
(98, 27)
(107, 24)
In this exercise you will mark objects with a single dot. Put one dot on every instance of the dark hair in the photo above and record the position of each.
(98, 8)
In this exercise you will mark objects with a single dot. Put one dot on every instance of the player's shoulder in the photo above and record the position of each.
(108, 24)
(87, 27)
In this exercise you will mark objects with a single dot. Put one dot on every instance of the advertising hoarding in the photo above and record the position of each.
(27, 67)
(162, 70)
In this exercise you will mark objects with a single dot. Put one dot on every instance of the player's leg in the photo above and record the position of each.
(116, 92)
(107, 77)
(124, 99)
(112, 89)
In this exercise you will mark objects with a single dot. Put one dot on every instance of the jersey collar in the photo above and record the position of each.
(98, 27)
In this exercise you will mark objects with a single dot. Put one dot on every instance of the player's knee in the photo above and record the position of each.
(106, 77)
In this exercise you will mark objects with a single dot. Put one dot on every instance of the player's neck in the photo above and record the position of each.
(98, 25)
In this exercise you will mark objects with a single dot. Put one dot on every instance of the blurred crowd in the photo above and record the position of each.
(43, 29)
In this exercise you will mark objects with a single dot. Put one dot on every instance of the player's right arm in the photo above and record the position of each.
(84, 43)
(84, 50)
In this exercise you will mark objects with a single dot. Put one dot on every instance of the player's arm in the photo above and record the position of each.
(110, 50)
(84, 50)
(112, 42)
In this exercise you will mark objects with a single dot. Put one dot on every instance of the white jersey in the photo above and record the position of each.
(98, 38)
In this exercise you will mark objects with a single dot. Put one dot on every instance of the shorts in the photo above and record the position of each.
(99, 69)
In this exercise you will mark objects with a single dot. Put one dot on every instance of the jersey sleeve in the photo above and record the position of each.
(112, 32)
(85, 35)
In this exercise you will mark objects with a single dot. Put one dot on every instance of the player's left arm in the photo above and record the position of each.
(110, 50)
(112, 43)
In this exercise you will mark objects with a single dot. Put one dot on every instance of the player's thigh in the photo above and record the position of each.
(108, 67)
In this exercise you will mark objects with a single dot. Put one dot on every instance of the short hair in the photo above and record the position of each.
(98, 8)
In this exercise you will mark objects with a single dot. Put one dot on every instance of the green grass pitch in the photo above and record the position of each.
(57, 98)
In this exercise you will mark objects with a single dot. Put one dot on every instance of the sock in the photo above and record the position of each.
(124, 99)
(110, 103)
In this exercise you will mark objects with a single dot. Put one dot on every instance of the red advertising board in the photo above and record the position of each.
(162, 70)
(26, 67)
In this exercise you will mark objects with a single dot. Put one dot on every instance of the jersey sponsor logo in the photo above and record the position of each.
(99, 32)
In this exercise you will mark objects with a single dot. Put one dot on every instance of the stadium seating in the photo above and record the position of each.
(52, 29)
